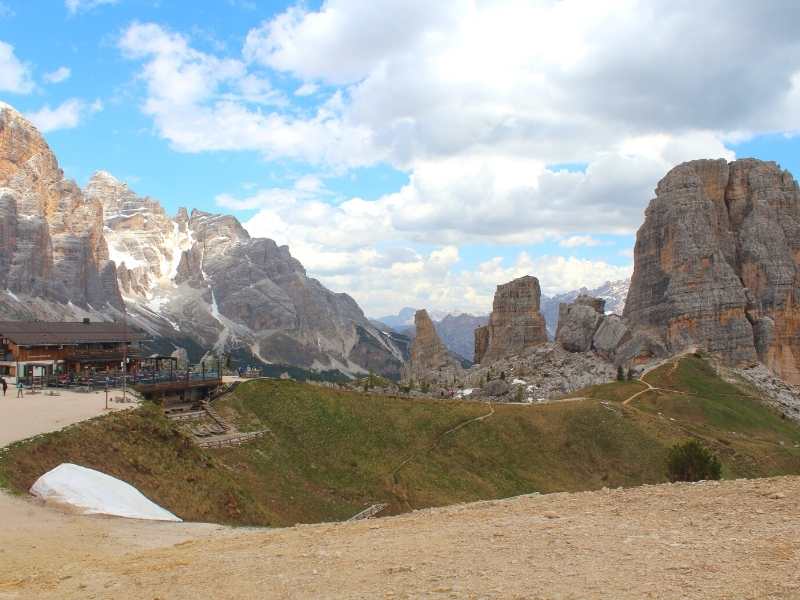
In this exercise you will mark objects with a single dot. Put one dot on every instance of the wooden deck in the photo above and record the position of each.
(177, 385)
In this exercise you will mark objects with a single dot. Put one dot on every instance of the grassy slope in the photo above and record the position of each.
(144, 449)
(331, 452)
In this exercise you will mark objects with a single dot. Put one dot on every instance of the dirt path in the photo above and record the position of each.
(735, 539)
(439, 438)
(651, 388)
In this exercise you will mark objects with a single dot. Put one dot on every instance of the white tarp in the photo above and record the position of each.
(93, 492)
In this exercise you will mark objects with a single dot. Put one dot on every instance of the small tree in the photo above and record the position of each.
(518, 395)
(630, 374)
(620, 373)
(692, 461)
(503, 375)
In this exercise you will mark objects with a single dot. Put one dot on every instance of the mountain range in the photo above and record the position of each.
(195, 282)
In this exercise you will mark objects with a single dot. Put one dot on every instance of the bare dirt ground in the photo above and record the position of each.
(736, 539)
(37, 413)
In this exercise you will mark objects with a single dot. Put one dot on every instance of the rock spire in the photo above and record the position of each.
(515, 323)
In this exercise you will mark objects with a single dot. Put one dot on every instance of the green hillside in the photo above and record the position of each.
(332, 453)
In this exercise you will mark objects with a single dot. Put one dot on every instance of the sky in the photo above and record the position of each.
(411, 153)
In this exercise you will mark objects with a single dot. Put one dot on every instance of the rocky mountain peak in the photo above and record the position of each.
(717, 263)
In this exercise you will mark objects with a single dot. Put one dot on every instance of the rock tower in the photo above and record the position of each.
(717, 264)
(516, 322)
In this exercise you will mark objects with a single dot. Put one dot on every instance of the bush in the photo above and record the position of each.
(692, 461)
(620, 373)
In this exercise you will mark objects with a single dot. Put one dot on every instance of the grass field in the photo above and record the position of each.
(331, 453)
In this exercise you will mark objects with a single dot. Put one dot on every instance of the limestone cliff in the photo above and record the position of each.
(717, 263)
(52, 234)
(515, 323)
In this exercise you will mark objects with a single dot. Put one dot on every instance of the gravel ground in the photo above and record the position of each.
(37, 412)
(736, 539)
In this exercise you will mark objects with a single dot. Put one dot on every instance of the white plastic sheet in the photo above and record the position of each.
(93, 492)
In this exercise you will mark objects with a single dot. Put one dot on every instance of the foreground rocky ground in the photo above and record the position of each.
(735, 539)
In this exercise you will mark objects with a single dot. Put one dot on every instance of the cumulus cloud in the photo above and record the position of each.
(430, 280)
(576, 241)
(76, 6)
(200, 102)
(66, 115)
(57, 76)
(472, 100)
(307, 89)
(15, 76)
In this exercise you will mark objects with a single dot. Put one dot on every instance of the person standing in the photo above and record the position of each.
(19, 389)
(4, 384)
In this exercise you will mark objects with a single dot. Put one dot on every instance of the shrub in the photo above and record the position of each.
(692, 461)
(519, 395)
(620, 373)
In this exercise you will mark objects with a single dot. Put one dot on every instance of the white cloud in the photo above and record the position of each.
(472, 100)
(307, 89)
(576, 241)
(200, 102)
(76, 6)
(57, 76)
(381, 285)
(15, 76)
(66, 115)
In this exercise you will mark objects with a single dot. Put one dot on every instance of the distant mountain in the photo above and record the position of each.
(613, 292)
(405, 318)
(402, 320)
(456, 331)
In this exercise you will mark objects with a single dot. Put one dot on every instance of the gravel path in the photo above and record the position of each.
(737, 539)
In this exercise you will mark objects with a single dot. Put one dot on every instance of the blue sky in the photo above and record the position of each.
(409, 153)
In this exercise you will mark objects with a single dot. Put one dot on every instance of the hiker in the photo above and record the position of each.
(19, 389)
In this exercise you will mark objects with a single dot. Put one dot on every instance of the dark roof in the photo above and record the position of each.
(43, 333)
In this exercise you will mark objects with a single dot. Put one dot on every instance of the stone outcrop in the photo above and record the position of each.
(430, 360)
(515, 324)
(197, 281)
(717, 264)
(610, 335)
(578, 322)
(613, 293)
(543, 372)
